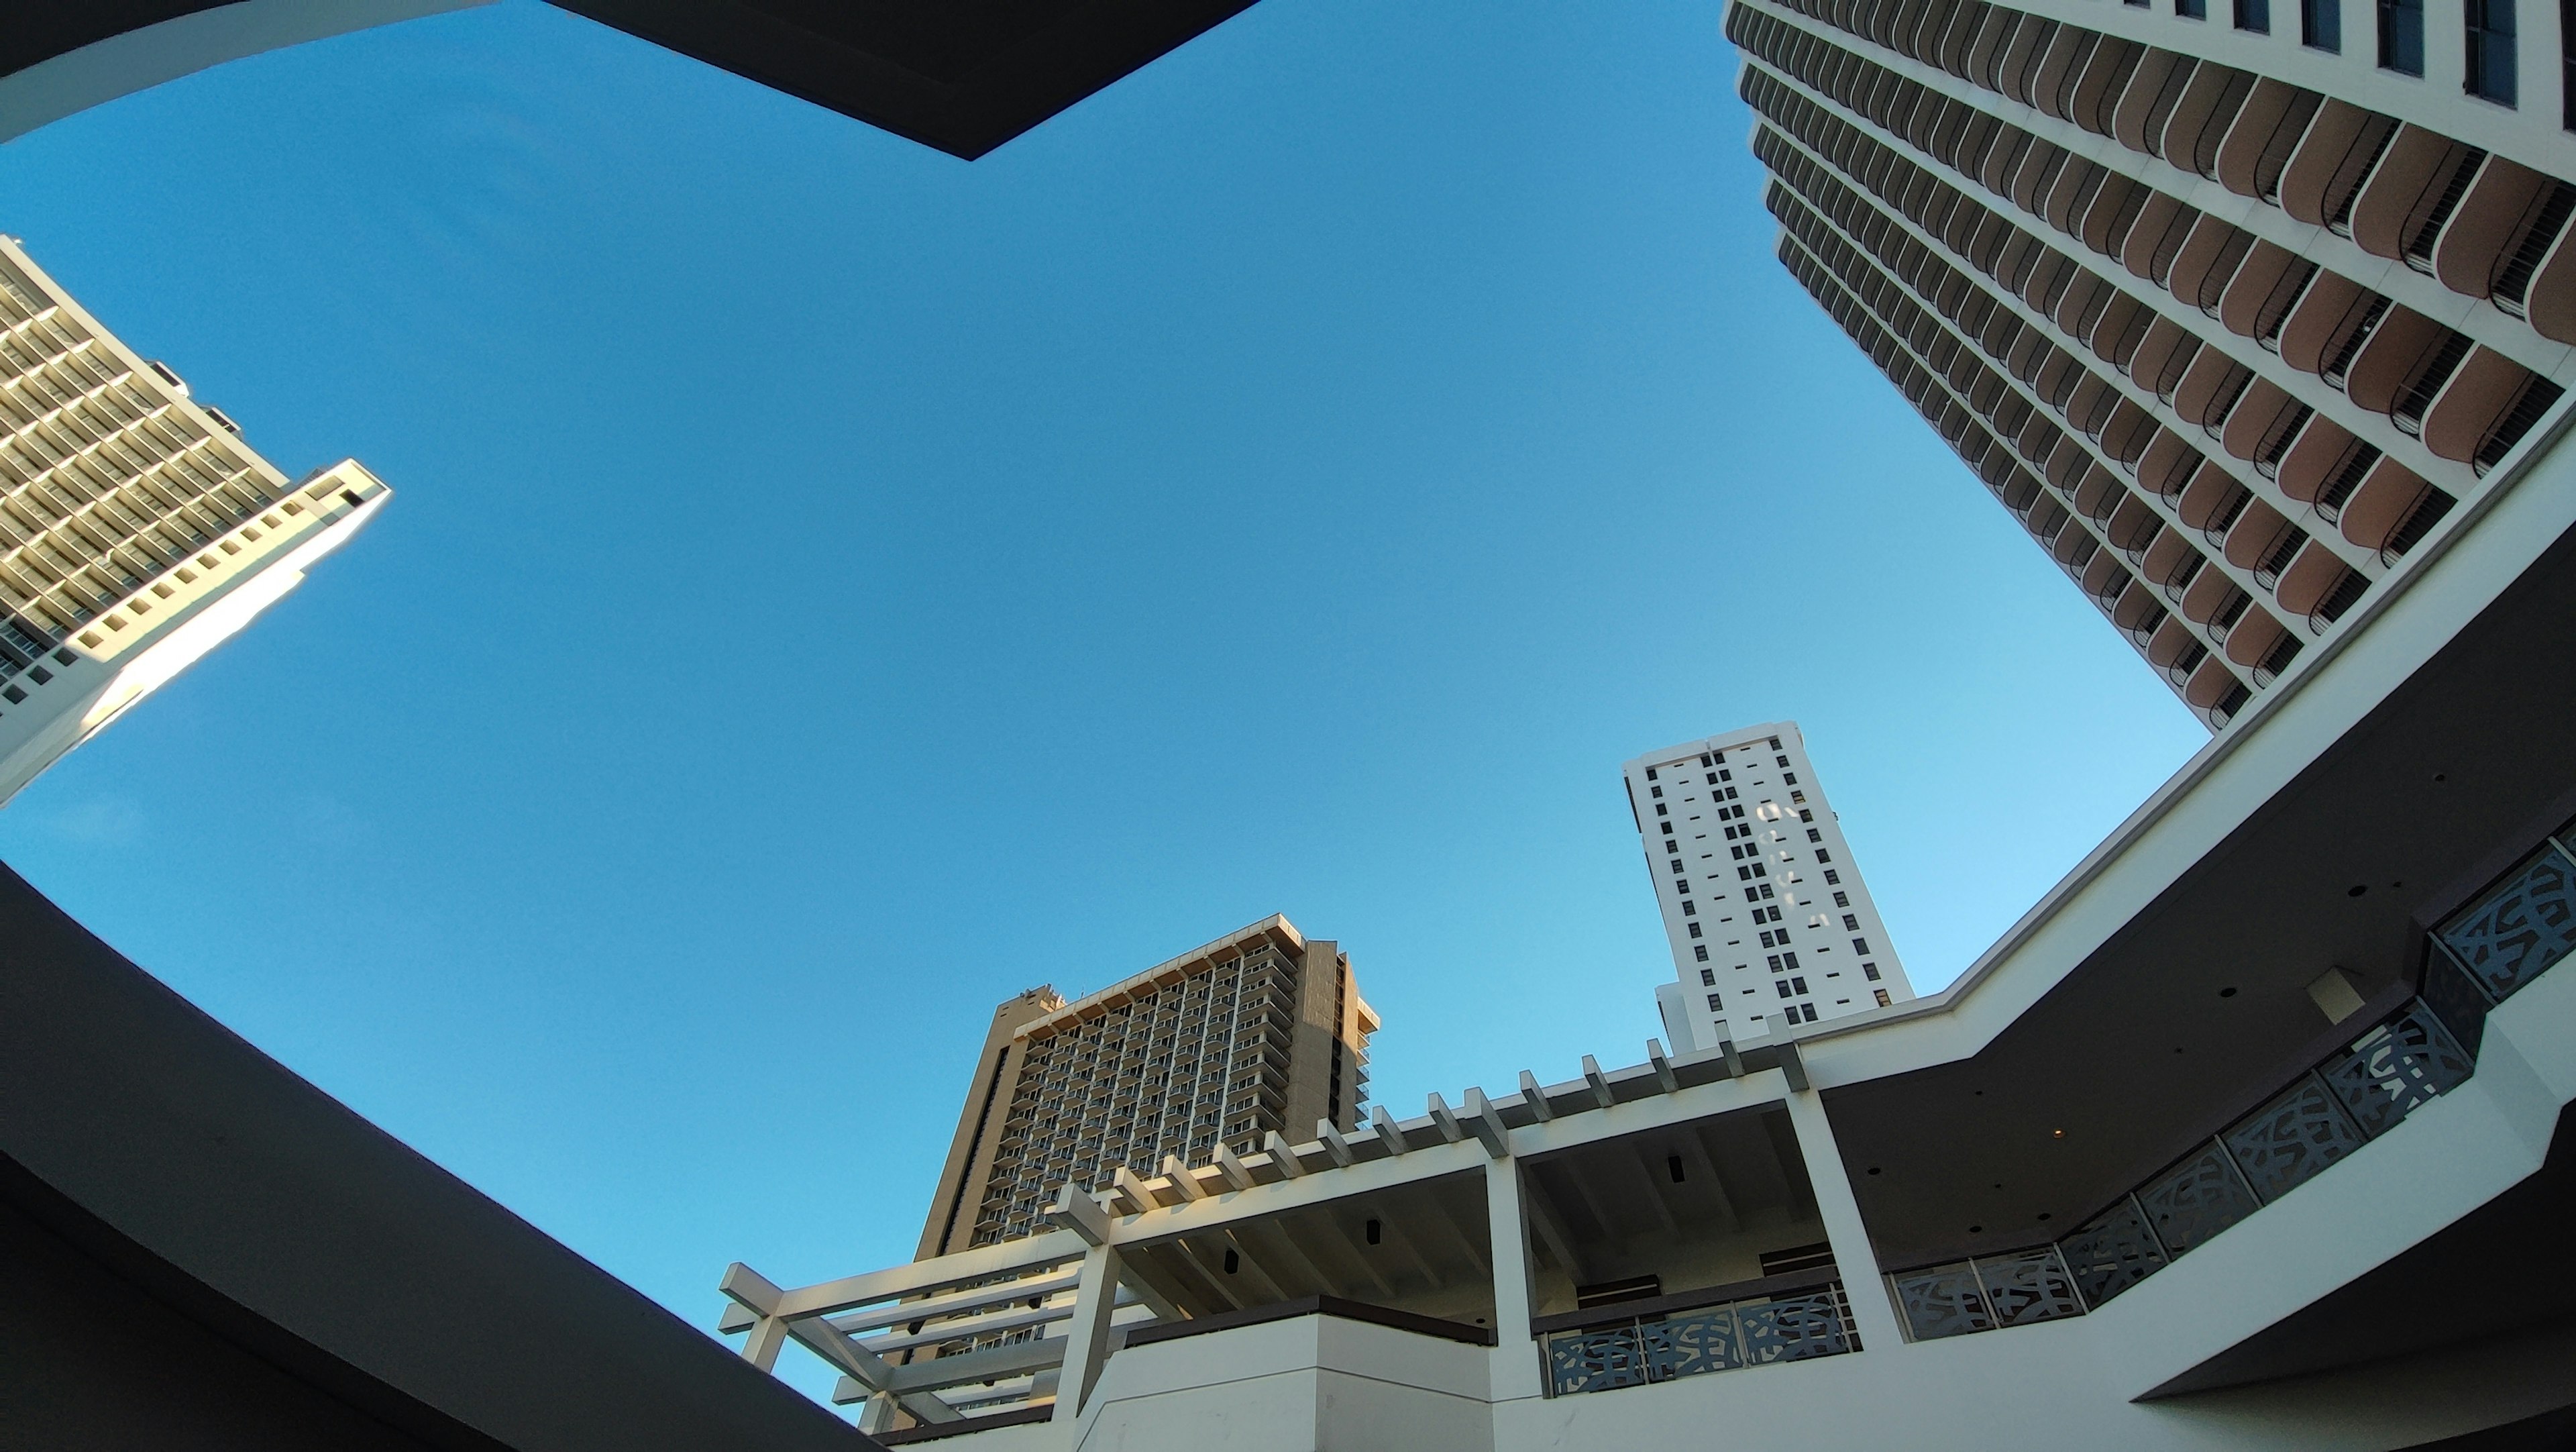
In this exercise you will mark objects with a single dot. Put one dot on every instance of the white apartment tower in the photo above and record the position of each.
(137, 532)
(1769, 920)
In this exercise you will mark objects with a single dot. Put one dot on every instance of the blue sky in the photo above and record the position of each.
(832, 586)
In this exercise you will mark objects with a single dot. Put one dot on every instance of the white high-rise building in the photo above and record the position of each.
(1769, 920)
(137, 532)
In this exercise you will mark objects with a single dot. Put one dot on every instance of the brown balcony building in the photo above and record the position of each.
(2231, 308)
(1258, 1034)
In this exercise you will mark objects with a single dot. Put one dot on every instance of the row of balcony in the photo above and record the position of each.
(2481, 225)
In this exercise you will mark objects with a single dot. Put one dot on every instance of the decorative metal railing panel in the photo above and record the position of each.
(1706, 1339)
(2290, 1139)
(2196, 1199)
(2520, 926)
(2112, 1252)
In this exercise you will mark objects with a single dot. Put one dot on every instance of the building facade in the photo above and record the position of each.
(2230, 305)
(137, 531)
(1262, 1032)
(1769, 921)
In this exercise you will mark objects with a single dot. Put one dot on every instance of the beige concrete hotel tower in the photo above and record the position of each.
(1260, 1033)
(137, 531)
(2232, 306)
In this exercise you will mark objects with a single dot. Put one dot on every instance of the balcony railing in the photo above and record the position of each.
(1756, 1323)
(2514, 929)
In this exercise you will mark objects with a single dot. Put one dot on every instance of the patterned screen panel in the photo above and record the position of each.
(2521, 926)
(1943, 1301)
(1690, 1343)
(2288, 1140)
(2395, 1068)
(2030, 1287)
(2112, 1252)
(2195, 1200)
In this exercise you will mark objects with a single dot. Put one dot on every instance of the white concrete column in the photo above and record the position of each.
(1086, 1336)
(1516, 1353)
(1873, 1307)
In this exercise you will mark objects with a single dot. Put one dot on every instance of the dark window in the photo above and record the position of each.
(1708, 978)
(2192, 9)
(1681, 885)
(1716, 1001)
(1688, 909)
(2321, 24)
(1824, 856)
(1815, 836)
(1677, 867)
(1850, 923)
(1694, 930)
(1774, 961)
(1658, 791)
(1870, 971)
(1650, 773)
(1784, 761)
(1860, 945)
(2491, 54)
(1882, 996)
(2254, 15)
(1712, 778)
(1832, 876)
(2567, 64)
(1797, 985)
(2401, 36)
(1703, 758)
(1792, 960)
(1700, 951)
(1790, 778)
(1783, 985)
(1806, 814)
(1662, 811)
(1842, 899)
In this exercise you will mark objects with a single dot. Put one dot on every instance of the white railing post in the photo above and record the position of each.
(1516, 1357)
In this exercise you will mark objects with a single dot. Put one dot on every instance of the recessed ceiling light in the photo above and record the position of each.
(2227, 993)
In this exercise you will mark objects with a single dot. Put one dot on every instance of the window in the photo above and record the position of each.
(1704, 759)
(1860, 946)
(1842, 899)
(1658, 791)
(1774, 961)
(1790, 778)
(2321, 24)
(1717, 1001)
(1699, 951)
(2254, 15)
(1712, 778)
(1851, 924)
(1688, 909)
(1663, 811)
(1783, 985)
(1815, 836)
(1882, 996)
(1650, 774)
(1708, 978)
(1824, 856)
(2491, 55)
(1792, 960)
(1806, 814)
(1677, 867)
(1681, 885)
(2192, 9)
(1832, 876)
(1694, 930)
(2401, 36)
